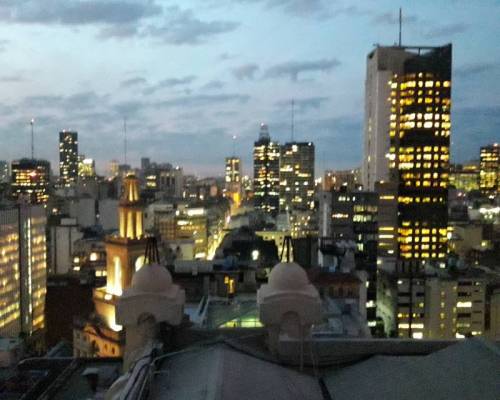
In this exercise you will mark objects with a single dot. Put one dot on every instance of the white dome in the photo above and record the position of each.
(152, 278)
(288, 276)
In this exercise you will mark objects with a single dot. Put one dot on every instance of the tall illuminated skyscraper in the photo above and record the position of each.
(489, 172)
(407, 141)
(30, 179)
(297, 176)
(266, 171)
(419, 154)
(68, 157)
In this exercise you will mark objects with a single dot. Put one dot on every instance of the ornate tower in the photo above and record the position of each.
(125, 252)
(102, 336)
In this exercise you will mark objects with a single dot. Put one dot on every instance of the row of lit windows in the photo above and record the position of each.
(417, 199)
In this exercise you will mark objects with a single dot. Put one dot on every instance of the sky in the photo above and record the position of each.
(189, 75)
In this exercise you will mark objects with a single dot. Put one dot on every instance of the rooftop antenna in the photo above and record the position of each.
(32, 122)
(234, 146)
(125, 139)
(400, 24)
(293, 118)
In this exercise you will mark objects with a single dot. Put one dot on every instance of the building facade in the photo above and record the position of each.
(24, 270)
(30, 180)
(86, 167)
(433, 305)
(336, 179)
(68, 157)
(297, 176)
(489, 172)
(464, 177)
(233, 187)
(4, 172)
(266, 173)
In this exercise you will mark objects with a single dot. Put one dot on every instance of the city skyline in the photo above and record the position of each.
(146, 61)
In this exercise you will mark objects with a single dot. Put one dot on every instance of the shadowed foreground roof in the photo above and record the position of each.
(469, 369)
(219, 372)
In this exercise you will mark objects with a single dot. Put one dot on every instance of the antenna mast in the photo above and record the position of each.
(125, 139)
(234, 145)
(400, 24)
(293, 119)
(32, 122)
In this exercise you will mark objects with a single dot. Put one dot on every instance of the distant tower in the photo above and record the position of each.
(297, 176)
(233, 188)
(68, 157)
(266, 169)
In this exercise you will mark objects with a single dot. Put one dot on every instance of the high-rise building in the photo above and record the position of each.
(266, 171)
(4, 172)
(233, 188)
(23, 270)
(297, 176)
(351, 216)
(68, 157)
(124, 255)
(419, 154)
(489, 173)
(407, 140)
(164, 178)
(30, 179)
(86, 167)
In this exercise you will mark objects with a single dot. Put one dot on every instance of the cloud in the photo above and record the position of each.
(213, 85)
(246, 71)
(447, 30)
(182, 27)
(303, 105)
(469, 70)
(297, 8)
(3, 45)
(301, 8)
(202, 100)
(12, 78)
(293, 69)
(117, 18)
(72, 103)
(226, 56)
(76, 12)
(169, 83)
(139, 80)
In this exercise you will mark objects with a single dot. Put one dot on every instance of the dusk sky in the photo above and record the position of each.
(188, 75)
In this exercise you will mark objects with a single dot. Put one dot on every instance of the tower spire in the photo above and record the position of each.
(400, 24)
(293, 119)
(32, 122)
(125, 139)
